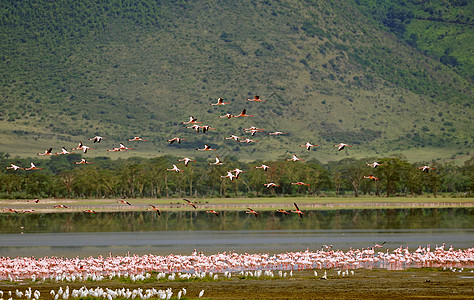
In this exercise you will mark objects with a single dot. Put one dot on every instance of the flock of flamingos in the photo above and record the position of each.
(197, 264)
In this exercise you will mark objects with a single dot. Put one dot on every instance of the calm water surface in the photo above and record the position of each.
(180, 232)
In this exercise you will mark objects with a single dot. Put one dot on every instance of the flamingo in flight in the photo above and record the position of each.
(60, 206)
(64, 151)
(206, 128)
(195, 127)
(294, 158)
(300, 183)
(34, 201)
(371, 177)
(89, 211)
(232, 137)
(374, 164)
(277, 133)
(228, 116)
(243, 114)
(248, 141)
(220, 101)
(297, 211)
(190, 203)
(425, 169)
(230, 176)
(308, 146)
(175, 168)
(192, 120)
(33, 167)
(256, 99)
(218, 162)
(251, 211)
(123, 147)
(341, 146)
(212, 212)
(282, 211)
(186, 160)
(206, 148)
(270, 185)
(158, 212)
(97, 139)
(14, 167)
(253, 131)
(82, 147)
(137, 138)
(47, 152)
(175, 139)
(123, 202)
(82, 162)
(237, 172)
(263, 167)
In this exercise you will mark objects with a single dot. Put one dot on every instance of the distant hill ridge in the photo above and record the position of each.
(329, 72)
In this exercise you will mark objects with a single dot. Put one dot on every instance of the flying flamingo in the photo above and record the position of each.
(218, 162)
(232, 137)
(220, 101)
(206, 128)
(256, 99)
(298, 211)
(237, 172)
(192, 120)
(206, 148)
(341, 146)
(253, 131)
(300, 183)
(270, 185)
(228, 116)
(243, 114)
(34, 201)
(137, 138)
(64, 151)
(123, 147)
(195, 127)
(248, 141)
(123, 202)
(97, 139)
(282, 211)
(230, 176)
(82, 162)
(251, 211)
(25, 211)
(371, 177)
(60, 206)
(33, 167)
(212, 212)
(308, 146)
(263, 167)
(82, 147)
(425, 169)
(294, 158)
(176, 139)
(155, 209)
(47, 152)
(190, 203)
(374, 164)
(14, 167)
(90, 211)
(186, 160)
(277, 133)
(175, 168)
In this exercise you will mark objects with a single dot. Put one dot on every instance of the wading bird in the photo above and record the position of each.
(60, 206)
(89, 211)
(34, 201)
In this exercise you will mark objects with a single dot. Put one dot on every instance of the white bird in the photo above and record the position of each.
(263, 167)
(175, 168)
(201, 293)
(230, 176)
(14, 167)
(218, 162)
(294, 158)
(308, 146)
(186, 160)
(341, 146)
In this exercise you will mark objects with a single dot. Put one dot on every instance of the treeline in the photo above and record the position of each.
(140, 177)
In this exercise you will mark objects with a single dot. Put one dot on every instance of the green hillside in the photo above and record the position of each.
(71, 70)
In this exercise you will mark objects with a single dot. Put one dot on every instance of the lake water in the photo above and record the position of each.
(78, 234)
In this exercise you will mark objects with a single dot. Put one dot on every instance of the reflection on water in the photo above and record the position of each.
(77, 234)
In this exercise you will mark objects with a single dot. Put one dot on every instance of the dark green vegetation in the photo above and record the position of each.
(343, 219)
(330, 72)
(139, 177)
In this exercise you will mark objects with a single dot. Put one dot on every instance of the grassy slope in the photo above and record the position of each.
(328, 73)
